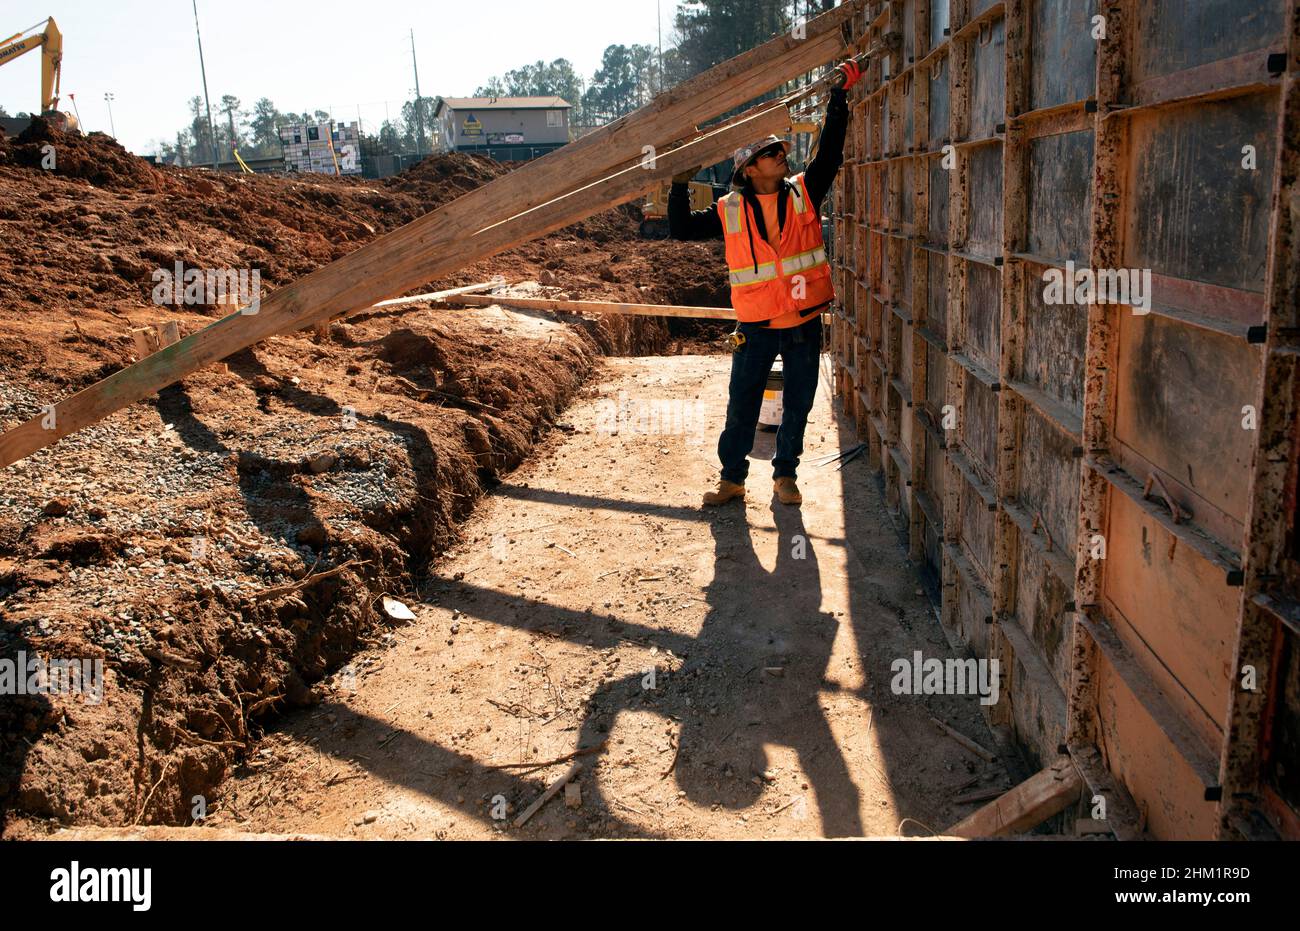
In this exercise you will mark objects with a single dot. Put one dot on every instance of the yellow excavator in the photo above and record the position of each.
(50, 42)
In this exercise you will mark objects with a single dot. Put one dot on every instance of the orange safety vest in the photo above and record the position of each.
(769, 284)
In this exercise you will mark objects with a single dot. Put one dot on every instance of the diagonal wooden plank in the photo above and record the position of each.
(390, 265)
(366, 277)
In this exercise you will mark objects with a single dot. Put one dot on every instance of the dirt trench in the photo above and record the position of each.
(225, 548)
(729, 668)
(161, 541)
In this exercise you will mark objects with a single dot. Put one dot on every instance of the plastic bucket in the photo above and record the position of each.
(769, 415)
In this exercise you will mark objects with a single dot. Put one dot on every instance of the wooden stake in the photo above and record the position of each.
(965, 741)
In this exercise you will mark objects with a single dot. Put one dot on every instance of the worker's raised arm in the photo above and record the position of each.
(821, 171)
(685, 223)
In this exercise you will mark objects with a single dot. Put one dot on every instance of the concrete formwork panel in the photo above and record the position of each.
(1105, 488)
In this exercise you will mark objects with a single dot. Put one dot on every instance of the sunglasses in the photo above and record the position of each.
(771, 151)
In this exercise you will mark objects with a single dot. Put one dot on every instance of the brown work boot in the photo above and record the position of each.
(787, 492)
(726, 491)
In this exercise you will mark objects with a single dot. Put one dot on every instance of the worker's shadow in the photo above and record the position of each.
(754, 679)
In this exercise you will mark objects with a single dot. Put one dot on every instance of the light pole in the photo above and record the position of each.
(109, 98)
(419, 110)
(203, 69)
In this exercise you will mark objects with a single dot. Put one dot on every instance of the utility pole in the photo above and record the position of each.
(212, 133)
(659, 17)
(419, 110)
(108, 99)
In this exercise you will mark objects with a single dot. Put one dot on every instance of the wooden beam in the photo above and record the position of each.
(384, 308)
(510, 208)
(397, 262)
(437, 295)
(592, 307)
(1027, 805)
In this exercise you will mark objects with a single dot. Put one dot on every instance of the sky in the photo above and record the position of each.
(351, 58)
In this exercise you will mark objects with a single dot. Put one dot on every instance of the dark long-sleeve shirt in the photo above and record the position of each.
(685, 223)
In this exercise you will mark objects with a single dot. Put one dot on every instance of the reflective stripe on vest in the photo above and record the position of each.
(804, 261)
(800, 203)
(731, 213)
(747, 276)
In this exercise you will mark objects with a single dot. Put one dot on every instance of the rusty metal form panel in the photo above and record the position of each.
(984, 229)
(1058, 196)
(937, 75)
(988, 99)
(1195, 214)
(937, 180)
(1042, 599)
(936, 320)
(938, 26)
(1085, 345)
(1049, 366)
(1175, 37)
(984, 314)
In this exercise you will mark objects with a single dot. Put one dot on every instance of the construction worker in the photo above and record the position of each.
(780, 285)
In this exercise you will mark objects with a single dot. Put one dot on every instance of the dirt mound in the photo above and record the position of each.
(96, 158)
(441, 178)
(222, 548)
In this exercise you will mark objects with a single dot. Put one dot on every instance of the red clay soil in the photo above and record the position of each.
(224, 547)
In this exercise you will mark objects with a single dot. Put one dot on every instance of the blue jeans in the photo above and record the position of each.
(800, 351)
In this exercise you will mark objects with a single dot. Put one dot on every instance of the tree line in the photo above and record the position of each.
(705, 33)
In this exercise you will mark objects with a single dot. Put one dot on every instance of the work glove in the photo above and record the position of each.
(850, 73)
(686, 177)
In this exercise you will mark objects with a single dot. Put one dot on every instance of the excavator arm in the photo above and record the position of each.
(51, 44)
